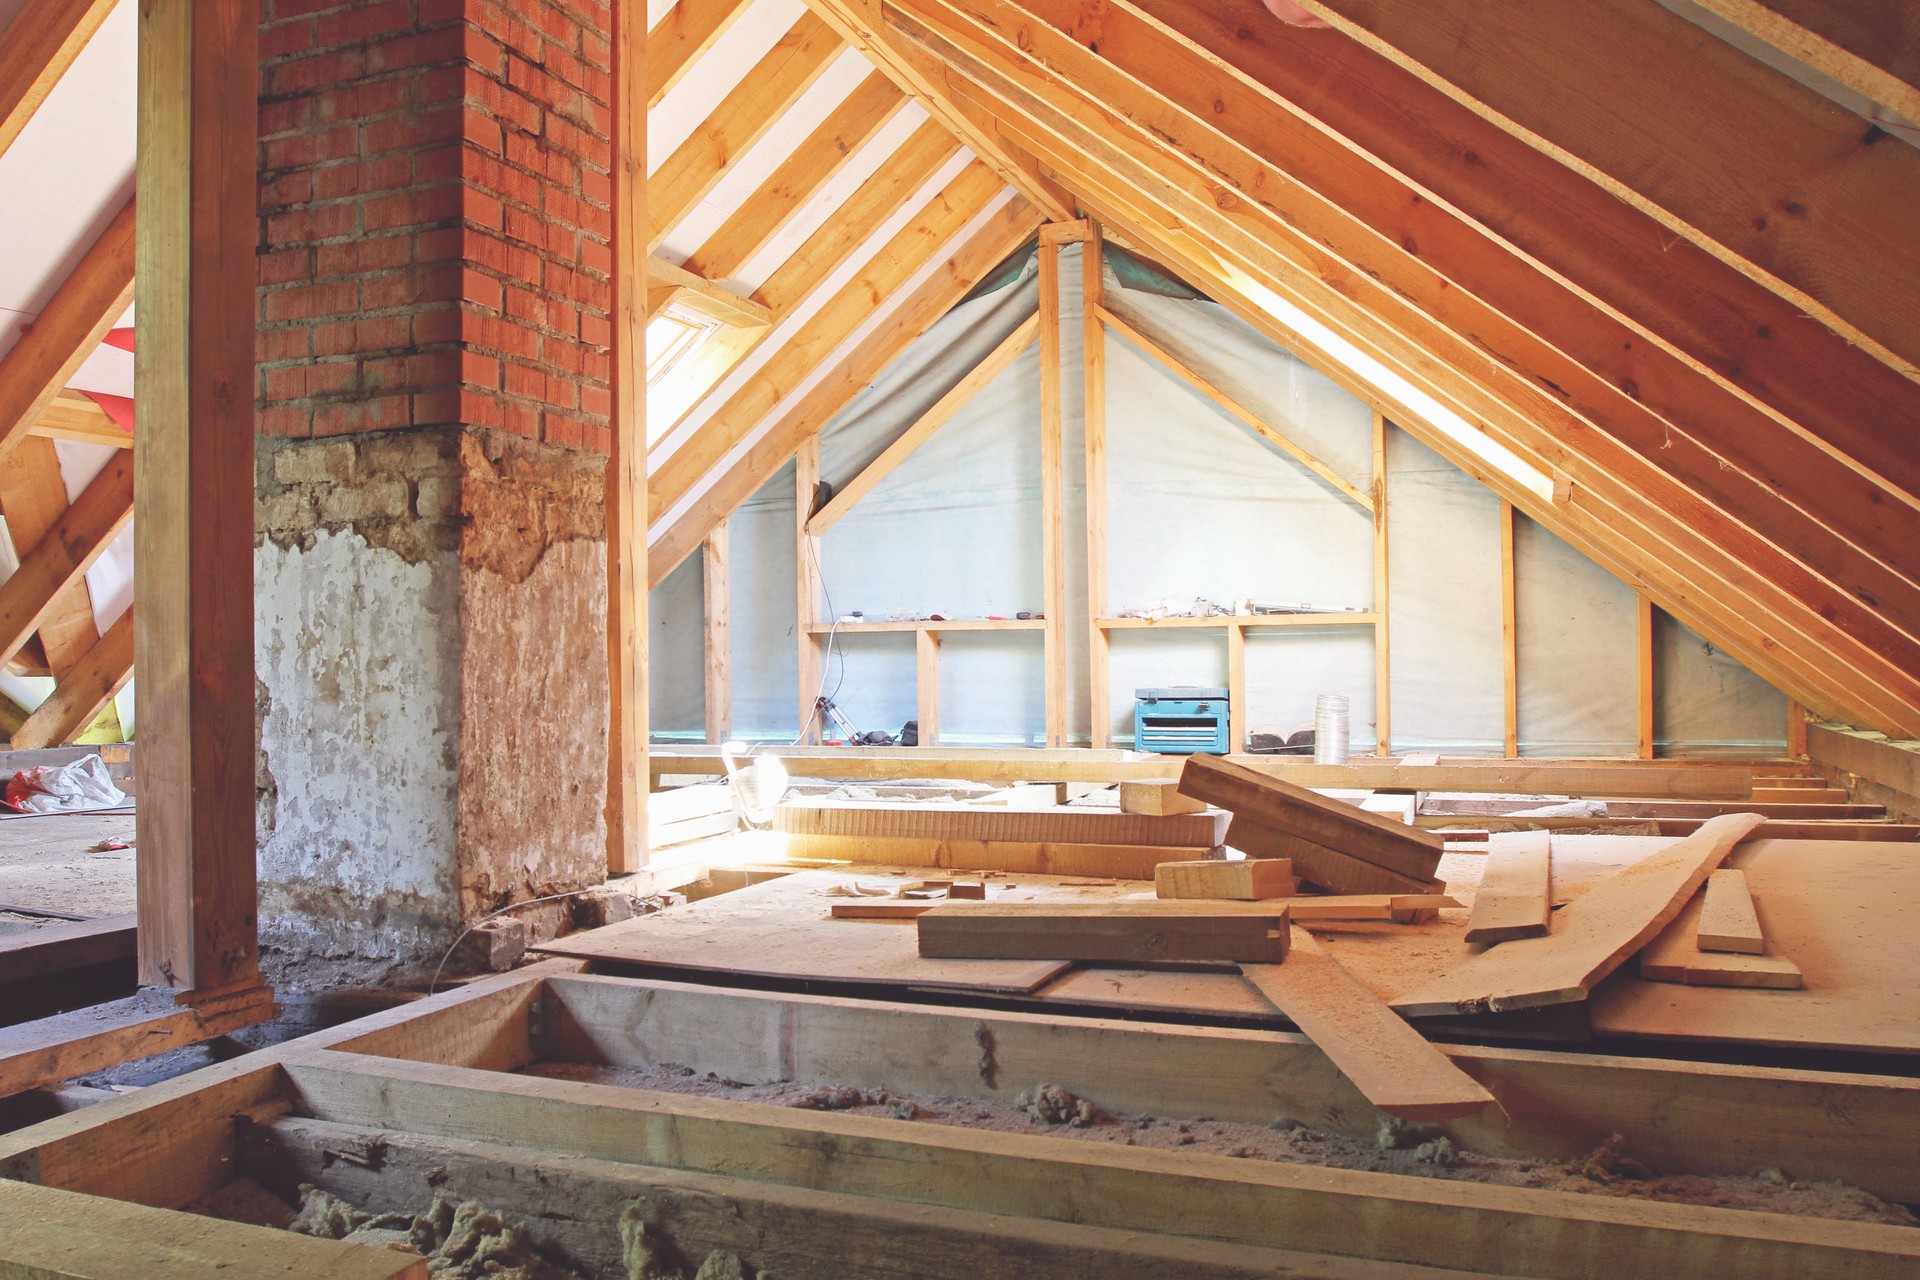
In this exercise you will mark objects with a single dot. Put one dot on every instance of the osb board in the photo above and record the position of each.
(782, 929)
(1848, 913)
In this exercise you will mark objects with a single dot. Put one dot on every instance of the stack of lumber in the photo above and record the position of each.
(1337, 846)
(1717, 941)
(1061, 841)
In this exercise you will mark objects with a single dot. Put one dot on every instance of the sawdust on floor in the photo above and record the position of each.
(1400, 1147)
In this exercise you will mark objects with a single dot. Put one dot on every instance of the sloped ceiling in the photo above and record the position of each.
(1650, 289)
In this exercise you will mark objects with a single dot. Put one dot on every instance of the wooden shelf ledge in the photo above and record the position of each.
(1245, 620)
(950, 624)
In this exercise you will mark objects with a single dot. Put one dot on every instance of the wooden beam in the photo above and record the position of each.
(941, 412)
(1872, 49)
(628, 720)
(926, 653)
(40, 43)
(807, 575)
(88, 302)
(770, 86)
(193, 491)
(717, 591)
(1796, 730)
(1093, 337)
(685, 33)
(1646, 699)
(1674, 120)
(1509, 632)
(1133, 932)
(709, 298)
(48, 1050)
(82, 692)
(1259, 425)
(800, 177)
(1053, 530)
(62, 556)
(1382, 665)
(73, 416)
(34, 497)
(1514, 898)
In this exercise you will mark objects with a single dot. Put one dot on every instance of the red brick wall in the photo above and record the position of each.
(434, 222)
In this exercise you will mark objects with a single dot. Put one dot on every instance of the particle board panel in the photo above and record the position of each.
(1846, 912)
(1078, 825)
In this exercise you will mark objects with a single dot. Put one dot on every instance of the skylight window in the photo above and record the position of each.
(671, 337)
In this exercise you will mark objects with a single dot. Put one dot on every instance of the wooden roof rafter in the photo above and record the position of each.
(42, 40)
(1872, 49)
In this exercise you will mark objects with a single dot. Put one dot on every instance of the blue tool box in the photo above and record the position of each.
(1180, 720)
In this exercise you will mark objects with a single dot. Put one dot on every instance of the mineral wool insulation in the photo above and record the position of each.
(1198, 506)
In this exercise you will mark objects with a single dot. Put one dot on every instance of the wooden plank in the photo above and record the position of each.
(742, 118)
(1114, 932)
(61, 556)
(878, 910)
(1294, 810)
(1867, 754)
(1515, 895)
(1646, 680)
(923, 427)
(1676, 956)
(716, 592)
(1678, 1116)
(1247, 417)
(709, 297)
(1247, 879)
(628, 781)
(49, 1234)
(1382, 665)
(1728, 921)
(48, 1050)
(1868, 48)
(1077, 825)
(683, 34)
(1393, 1065)
(47, 952)
(1158, 799)
(74, 416)
(926, 658)
(1047, 857)
(1099, 1184)
(808, 598)
(1328, 868)
(193, 487)
(1592, 935)
(1237, 711)
(86, 305)
(1093, 339)
(1365, 906)
(1053, 531)
(800, 177)
(42, 40)
(34, 497)
(83, 692)
(1641, 69)
(1509, 632)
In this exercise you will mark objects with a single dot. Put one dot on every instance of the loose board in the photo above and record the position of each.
(1727, 919)
(1515, 898)
(1291, 810)
(1129, 932)
(1676, 956)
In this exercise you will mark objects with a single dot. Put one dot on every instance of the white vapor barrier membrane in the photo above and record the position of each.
(1199, 505)
(1706, 703)
(677, 647)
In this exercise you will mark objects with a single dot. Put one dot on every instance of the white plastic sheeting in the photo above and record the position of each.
(1198, 506)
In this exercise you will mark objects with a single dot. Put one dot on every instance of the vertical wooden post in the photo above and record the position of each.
(1236, 687)
(1094, 347)
(1510, 642)
(193, 484)
(1646, 677)
(926, 652)
(719, 649)
(1796, 730)
(1052, 529)
(1382, 680)
(628, 778)
(806, 479)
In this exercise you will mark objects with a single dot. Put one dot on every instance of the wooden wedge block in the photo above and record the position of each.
(1728, 921)
(1248, 879)
(1157, 799)
(1140, 933)
(1675, 956)
(1328, 868)
(1515, 899)
(1385, 1058)
(1296, 811)
(1592, 936)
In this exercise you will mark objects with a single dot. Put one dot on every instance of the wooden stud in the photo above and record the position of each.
(1382, 666)
(1236, 687)
(42, 40)
(87, 304)
(970, 261)
(1509, 633)
(807, 575)
(1796, 730)
(1646, 701)
(926, 649)
(937, 416)
(193, 489)
(627, 586)
(1093, 332)
(717, 592)
(789, 69)
(1053, 543)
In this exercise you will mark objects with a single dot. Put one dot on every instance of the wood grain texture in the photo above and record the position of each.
(1113, 932)
(1592, 935)
(1157, 798)
(1515, 896)
(1053, 529)
(1728, 921)
(1676, 956)
(1392, 1064)
(1294, 810)
(1046, 857)
(83, 692)
(1329, 868)
(1069, 824)
(1247, 879)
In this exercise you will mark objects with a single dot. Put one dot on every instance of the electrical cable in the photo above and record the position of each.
(511, 906)
(833, 631)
